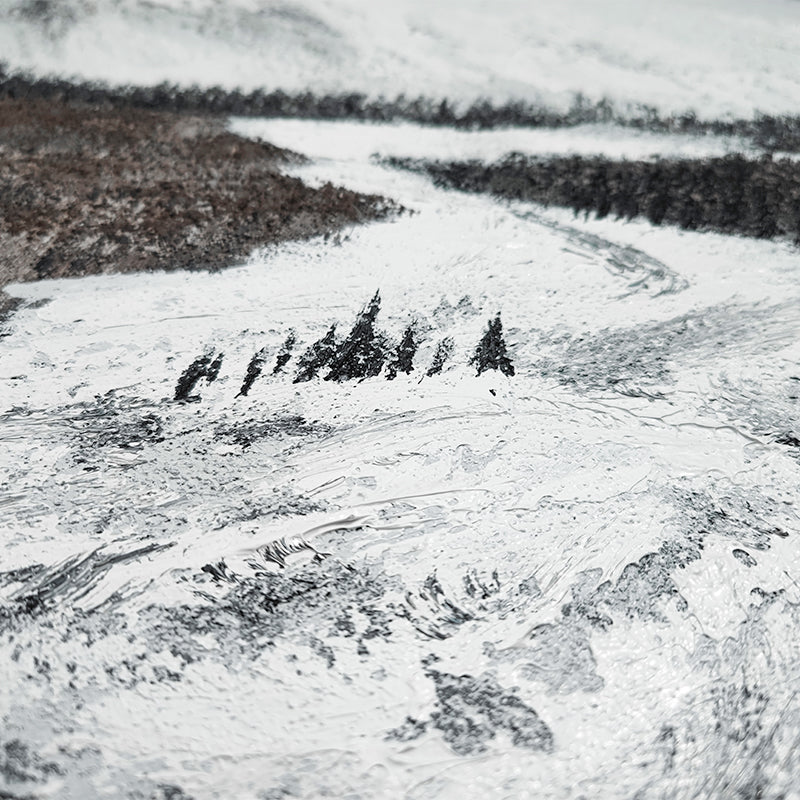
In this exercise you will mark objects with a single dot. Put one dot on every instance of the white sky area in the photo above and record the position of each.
(719, 58)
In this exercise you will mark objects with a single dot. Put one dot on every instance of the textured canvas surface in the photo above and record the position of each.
(484, 498)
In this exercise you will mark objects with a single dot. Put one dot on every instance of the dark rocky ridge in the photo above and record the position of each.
(732, 194)
(89, 188)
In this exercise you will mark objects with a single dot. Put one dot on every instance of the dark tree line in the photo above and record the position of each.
(772, 133)
(759, 198)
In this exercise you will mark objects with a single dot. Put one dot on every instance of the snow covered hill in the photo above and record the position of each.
(718, 58)
(579, 580)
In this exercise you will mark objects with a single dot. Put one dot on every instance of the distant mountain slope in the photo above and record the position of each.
(717, 57)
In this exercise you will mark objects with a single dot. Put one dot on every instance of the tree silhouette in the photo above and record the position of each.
(491, 350)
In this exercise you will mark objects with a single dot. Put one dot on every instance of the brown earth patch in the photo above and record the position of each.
(88, 189)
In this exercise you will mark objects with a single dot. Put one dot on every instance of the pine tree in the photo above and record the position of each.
(491, 350)
(253, 371)
(403, 360)
(443, 351)
(317, 356)
(285, 353)
(363, 353)
(201, 367)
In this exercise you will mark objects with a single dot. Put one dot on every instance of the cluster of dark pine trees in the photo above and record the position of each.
(732, 194)
(365, 352)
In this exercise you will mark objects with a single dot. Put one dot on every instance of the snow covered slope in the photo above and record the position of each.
(717, 57)
(580, 580)
(359, 141)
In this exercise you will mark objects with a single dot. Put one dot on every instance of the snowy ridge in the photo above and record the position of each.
(359, 141)
(718, 58)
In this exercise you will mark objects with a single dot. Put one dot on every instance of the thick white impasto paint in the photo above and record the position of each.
(564, 480)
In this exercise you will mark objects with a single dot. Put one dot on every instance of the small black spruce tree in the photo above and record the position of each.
(364, 351)
(206, 366)
(317, 356)
(254, 369)
(443, 351)
(403, 360)
(491, 350)
(285, 353)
